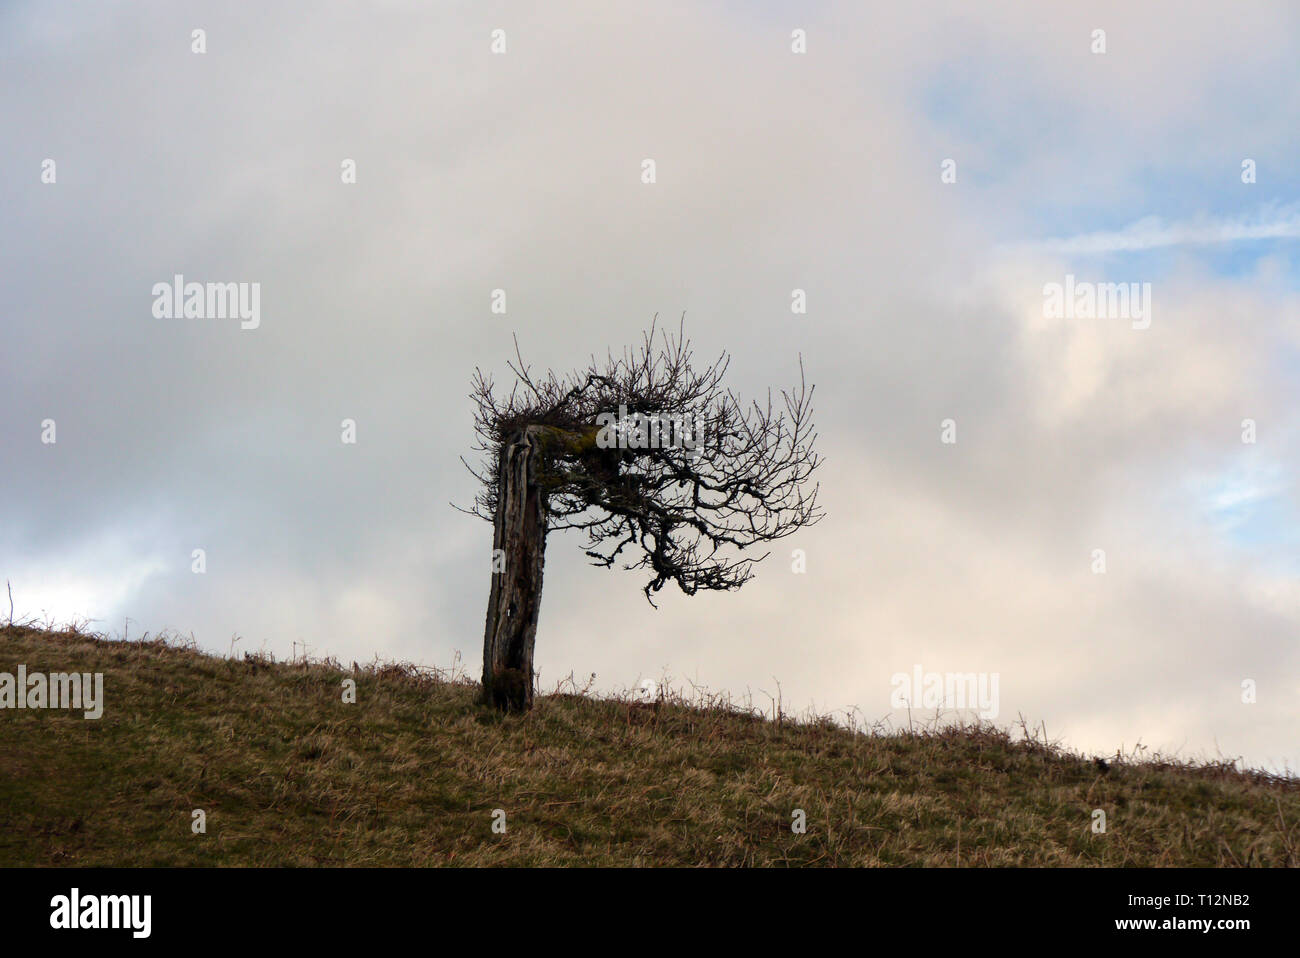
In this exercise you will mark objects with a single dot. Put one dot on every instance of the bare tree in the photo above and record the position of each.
(656, 462)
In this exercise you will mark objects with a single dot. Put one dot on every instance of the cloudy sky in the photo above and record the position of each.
(775, 171)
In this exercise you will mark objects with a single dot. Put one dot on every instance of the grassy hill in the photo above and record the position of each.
(289, 774)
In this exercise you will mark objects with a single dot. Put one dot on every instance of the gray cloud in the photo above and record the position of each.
(775, 172)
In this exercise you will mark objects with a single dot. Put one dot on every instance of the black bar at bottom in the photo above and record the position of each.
(330, 907)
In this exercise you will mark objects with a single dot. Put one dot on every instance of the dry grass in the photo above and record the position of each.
(289, 774)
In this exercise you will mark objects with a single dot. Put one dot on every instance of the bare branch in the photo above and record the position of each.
(734, 475)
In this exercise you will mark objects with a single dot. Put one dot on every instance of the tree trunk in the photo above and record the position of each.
(519, 549)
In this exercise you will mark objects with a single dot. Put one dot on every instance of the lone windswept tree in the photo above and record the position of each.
(662, 467)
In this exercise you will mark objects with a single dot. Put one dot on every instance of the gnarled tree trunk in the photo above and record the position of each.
(519, 548)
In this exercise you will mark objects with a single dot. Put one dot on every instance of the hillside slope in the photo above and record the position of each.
(287, 773)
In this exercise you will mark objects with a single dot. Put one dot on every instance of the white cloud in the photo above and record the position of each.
(1151, 232)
